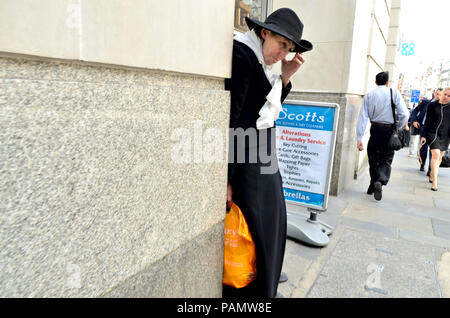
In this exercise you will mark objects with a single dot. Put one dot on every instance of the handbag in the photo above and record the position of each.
(239, 266)
(445, 163)
(394, 141)
(397, 139)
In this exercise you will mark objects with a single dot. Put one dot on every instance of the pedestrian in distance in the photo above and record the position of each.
(436, 133)
(377, 107)
(418, 120)
(256, 97)
(414, 132)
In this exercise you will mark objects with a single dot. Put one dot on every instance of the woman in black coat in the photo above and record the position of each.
(437, 133)
(254, 182)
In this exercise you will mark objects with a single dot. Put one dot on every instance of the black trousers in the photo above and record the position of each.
(424, 150)
(258, 192)
(380, 157)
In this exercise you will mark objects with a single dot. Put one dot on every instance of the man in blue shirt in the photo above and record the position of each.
(377, 108)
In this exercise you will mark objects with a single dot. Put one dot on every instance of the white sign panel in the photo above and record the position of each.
(305, 146)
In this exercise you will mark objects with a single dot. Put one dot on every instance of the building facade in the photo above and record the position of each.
(113, 134)
(353, 41)
(445, 74)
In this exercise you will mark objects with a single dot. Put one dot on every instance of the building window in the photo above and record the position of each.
(255, 9)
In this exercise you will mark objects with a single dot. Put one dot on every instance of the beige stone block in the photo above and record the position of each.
(394, 35)
(325, 70)
(395, 3)
(360, 47)
(395, 16)
(48, 28)
(324, 20)
(391, 54)
(181, 36)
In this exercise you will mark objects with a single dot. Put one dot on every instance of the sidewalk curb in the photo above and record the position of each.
(307, 281)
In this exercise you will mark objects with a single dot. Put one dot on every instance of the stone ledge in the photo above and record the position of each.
(36, 68)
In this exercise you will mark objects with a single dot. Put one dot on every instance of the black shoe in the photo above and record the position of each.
(377, 191)
(422, 168)
(434, 189)
(283, 277)
(370, 189)
(428, 173)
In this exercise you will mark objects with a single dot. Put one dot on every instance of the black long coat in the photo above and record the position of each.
(257, 192)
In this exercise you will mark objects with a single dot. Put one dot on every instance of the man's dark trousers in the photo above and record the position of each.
(380, 157)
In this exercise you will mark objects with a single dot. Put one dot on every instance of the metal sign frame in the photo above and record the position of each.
(329, 165)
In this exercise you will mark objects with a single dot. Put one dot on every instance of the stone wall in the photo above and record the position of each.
(92, 202)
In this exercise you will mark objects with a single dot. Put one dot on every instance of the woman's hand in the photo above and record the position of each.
(423, 140)
(229, 197)
(288, 68)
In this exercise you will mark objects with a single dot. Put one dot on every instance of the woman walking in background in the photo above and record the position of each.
(437, 133)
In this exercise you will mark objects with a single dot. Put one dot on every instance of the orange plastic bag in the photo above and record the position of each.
(239, 267)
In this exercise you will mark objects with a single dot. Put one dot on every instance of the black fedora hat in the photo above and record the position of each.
(286, 23)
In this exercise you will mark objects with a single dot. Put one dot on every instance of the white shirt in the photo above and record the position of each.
(270, 111)
(377, 108)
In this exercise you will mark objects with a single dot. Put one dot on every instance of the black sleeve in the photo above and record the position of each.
(413, 115)
(417, 111)
(430, 119)
(285, 91)
(238, 85)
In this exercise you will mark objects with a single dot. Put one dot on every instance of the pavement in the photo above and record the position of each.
(398, 247)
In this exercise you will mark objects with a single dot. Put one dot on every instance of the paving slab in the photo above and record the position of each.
(388, 218)
(433, 213)
(441, 228)
(425, 239)
(410, 198)
(396, 247)
(370, 265)
(443, 204)
(297, 259)
(424, 191)
(369, 226)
